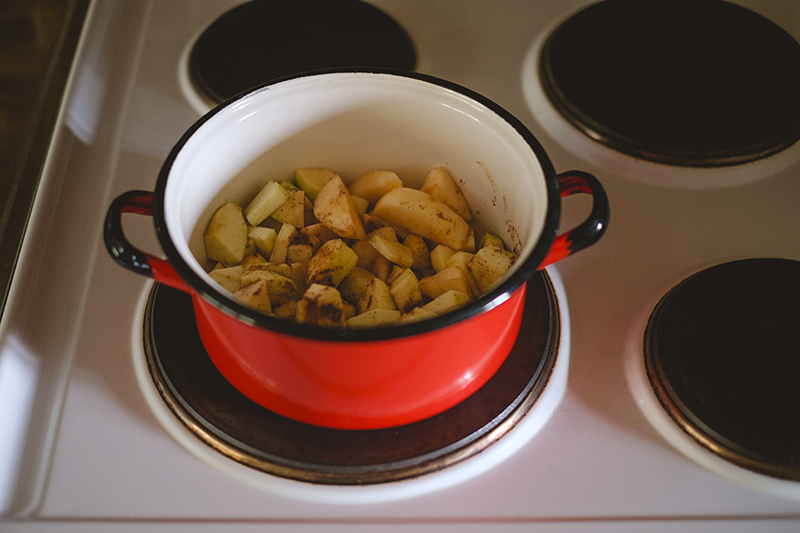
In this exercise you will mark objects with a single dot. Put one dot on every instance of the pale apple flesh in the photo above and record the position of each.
(332, 263)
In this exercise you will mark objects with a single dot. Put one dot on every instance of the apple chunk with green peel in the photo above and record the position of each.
(421, 213)
(311, 180)
(268, 199)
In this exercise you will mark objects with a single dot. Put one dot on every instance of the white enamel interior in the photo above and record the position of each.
(353, 123)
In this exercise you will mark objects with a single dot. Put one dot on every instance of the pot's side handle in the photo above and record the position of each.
(127, 255)
(587, 233)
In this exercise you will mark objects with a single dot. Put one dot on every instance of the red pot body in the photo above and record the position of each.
(366, 384)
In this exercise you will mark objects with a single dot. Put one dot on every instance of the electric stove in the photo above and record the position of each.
(653, 385)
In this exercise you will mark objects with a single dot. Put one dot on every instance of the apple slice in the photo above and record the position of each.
(256, 295)
(440, 184)
(268, 199)
(311, 180)
(292, 211)
(374, 184)
(331, 264)
(335, 208)
(406, 291)
(226, 235)
(322, 305)
(421, 213)
(263, 239)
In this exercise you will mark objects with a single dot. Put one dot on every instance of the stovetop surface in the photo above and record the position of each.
(91, 447)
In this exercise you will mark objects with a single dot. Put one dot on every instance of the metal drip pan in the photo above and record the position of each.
(227, 421)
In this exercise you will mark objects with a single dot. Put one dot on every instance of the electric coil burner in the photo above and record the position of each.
(682, 82)
(227, 421)
(722, 354)
(264, 40)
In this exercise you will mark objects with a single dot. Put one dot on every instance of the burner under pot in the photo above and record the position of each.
(682, 82)
(722, 353)
(264, 40)
(223, 418)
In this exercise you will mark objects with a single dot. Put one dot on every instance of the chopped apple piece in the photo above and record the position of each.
(416, 315)
(489, 265)
(396, 271)
(256, 295)
(374, 184)
(282, 241)
(439, 257)
(382, 267)
(228, 277)
(449, 301)
(299, 252)
(335, 208)
(263, 239)
(374, 318)
(373, 222)
(297, 273)
(321, 305)
(281, 288)
(226, 235)
(461, 260)
(469, 244)
(367, 255)
(254, 259)
(311, 180)
(354, 285)
(270, 198)
(424, 215)
(406, 291)
(286, 310)
(491, 240)
(387, 232)
(377, 296)
(292, 211)
(440, 184)
(449, 279)
(331, 264)
(419, 251)
(361, 205)
(392, 250)
(316, 234)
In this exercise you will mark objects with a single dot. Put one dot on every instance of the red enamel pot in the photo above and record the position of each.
(355, 121)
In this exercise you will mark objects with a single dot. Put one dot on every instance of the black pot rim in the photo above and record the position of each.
(484, 303)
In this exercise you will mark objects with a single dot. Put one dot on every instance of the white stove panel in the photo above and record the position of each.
(87, 446)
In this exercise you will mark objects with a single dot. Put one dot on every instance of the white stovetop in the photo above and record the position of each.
(86, 445)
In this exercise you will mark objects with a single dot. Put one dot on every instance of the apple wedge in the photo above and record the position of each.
(374, 318)
(256, 295)
(322, 305)
(263, 239)
(226, 235)
(335, 208)
(406, 291)
(489, 265)
(311, 180)
(421, 213)
(441, 185)
(228, 277)
(268, 199)
(331, 264)
(374, 184)
(292, 211)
